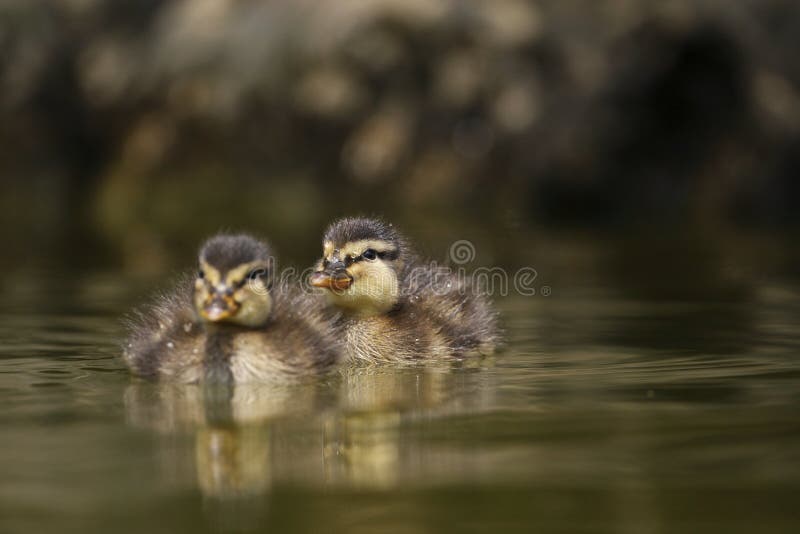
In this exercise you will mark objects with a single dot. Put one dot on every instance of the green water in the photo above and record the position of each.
(618, 407)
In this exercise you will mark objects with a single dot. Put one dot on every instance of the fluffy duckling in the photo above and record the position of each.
(230, 325)
(394, 307)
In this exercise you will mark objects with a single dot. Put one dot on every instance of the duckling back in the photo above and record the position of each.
(440, 316)
(165, 338)
(457, 309)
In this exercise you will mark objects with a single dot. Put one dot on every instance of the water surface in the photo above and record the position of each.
(612, 410)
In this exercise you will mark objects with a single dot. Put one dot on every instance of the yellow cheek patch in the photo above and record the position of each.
(356, 270)
(200, 292)
(373, 278)
(374, 291)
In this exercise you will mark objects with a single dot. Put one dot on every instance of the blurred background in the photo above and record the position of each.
(640, 155)
(131, 129)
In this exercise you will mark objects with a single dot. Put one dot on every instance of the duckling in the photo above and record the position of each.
(230, 325)
(393, 307)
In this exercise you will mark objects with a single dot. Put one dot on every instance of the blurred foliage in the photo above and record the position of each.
(146, 124)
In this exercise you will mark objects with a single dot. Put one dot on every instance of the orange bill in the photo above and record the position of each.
(338, 282)
(219, 308)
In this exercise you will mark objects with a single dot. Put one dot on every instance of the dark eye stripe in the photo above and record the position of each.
(257, 273)
(387, 255)
(252, 275)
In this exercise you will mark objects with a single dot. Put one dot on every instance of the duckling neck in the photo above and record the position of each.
(358, 305)
(365, 310)
(219, 345)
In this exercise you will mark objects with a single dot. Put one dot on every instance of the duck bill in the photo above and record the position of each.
(218, 308)
(337, 281)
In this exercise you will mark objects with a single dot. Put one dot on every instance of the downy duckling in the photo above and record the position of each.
(394, 307)
(230, 325)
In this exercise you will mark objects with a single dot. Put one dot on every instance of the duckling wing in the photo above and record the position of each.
(164, 337)
(461, 311)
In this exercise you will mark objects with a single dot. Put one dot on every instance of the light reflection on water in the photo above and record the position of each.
(607, 413)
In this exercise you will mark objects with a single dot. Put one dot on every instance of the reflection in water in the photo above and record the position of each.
(368, 444)
(233, 461)
(363, 450)
(231, 427)
(348, 432)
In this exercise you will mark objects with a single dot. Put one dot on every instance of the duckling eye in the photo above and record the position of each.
(256, 273)
(369, 254)
(201, 274)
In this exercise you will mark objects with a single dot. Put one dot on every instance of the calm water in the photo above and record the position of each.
(611, 411)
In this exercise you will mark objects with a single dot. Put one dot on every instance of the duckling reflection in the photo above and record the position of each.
(369, 444)
(365, 427)
(233, 461)
(394, 308)
(232, 429)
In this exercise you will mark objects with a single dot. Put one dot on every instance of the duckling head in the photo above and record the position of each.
(362, 264)
(234, 280)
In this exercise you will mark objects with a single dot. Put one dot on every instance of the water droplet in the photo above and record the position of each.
(170, 345)
(130, 345)
(194, 351)
(187, 327)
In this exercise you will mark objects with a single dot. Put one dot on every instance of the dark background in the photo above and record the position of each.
(131, 129)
